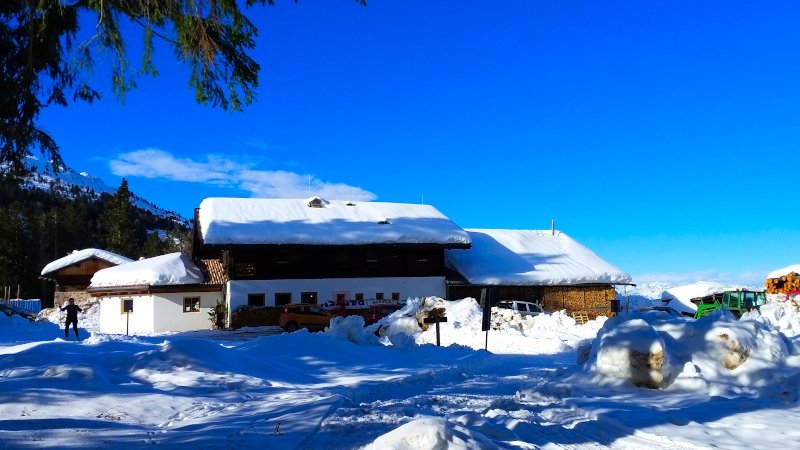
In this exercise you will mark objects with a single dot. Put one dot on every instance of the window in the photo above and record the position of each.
(395, 296)
(308, 297)
(282, 257)
(191, 304)
(283, 298)
(256, 299)
(127, 305)
(424, 257)
(244, 270)
(379, 296)
(359, 296)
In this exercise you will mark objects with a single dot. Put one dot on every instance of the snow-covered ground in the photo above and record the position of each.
(721, 383)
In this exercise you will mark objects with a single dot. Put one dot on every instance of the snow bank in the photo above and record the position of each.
(15, 330)
(716, 355)
(164, 270)
(680, 297)
(431, 433)
(351, 328)
(511, 333)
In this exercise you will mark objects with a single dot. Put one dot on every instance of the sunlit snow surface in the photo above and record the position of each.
(347, 388)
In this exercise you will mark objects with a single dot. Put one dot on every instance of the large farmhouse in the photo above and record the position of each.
(266, 253)
(547, 267)
(280, 251)
(72, 274)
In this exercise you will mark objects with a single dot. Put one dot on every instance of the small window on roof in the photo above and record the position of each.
(317, 202)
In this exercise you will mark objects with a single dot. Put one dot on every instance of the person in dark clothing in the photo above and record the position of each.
(72, 317)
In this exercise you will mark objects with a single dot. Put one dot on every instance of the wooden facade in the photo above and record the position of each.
(273, 262)
(78, 276)
(71, 281)
(595, 299)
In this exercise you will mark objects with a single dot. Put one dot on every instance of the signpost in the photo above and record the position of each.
(436, 320)
(487, 300)
(127, 306)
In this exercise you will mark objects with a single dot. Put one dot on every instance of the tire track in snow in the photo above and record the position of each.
(492, 398)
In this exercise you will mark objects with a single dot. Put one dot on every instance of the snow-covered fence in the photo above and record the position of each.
(30, 305)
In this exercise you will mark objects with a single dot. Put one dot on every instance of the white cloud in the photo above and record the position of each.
(222, 171)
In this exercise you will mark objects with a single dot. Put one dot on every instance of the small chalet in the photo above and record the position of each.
(546, 267)
(72, 274)
(165, 293)
(280, 251)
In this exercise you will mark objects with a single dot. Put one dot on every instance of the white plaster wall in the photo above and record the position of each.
(326, 288)
(169, 315)
(112, 319)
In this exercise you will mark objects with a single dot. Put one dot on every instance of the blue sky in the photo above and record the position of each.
(657, 133)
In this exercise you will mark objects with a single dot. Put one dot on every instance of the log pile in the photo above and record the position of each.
(783, 285)
(595, 300)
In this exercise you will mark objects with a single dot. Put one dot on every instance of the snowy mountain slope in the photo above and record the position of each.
(67, 180)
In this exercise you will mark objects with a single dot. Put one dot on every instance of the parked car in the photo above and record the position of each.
(10, 310)
(304, 315)
(523, 308)
(377, 312)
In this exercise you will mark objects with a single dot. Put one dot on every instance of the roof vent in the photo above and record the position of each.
(383, 222)
(317, 202)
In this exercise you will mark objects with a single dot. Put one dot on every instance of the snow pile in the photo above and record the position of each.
(716, 355)
(782, 316)
(680, 297)
(82, 255)
(431, 433)
(165, 270)
(544, 325)
(633, 351)
(511, 333)
(15, 329)
(88, 318)
(351, 328)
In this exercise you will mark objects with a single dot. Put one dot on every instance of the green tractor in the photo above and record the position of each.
(738, 302)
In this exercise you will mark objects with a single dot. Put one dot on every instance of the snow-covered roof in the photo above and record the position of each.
(165, 270)
(531, 257)
(82, 255)
(320, 222)
(784, 271)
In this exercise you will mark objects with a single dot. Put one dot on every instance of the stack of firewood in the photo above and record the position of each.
(784, 284)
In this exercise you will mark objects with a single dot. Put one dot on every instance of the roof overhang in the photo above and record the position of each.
(148, 289)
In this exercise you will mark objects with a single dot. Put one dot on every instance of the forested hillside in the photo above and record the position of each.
(43, 223)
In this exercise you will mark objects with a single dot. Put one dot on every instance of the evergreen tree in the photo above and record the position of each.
(118, 223)
(42, 63)
(154, 246)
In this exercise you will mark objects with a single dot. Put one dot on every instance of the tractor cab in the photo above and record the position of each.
(736, 301)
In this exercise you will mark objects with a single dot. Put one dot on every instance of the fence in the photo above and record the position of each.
(30, 305)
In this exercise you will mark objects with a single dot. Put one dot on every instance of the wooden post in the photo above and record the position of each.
(436, 320)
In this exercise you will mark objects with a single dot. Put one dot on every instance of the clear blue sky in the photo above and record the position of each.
(661, 134)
